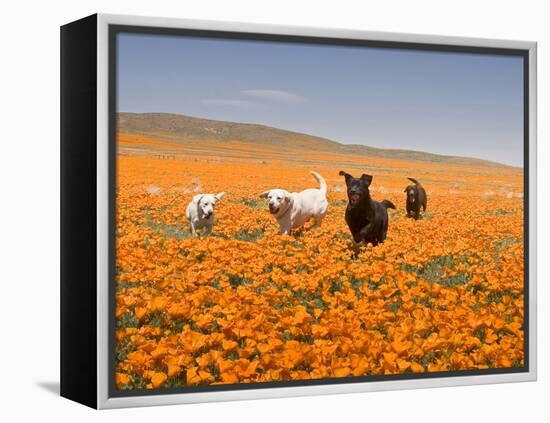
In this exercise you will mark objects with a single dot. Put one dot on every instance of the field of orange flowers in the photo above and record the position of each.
(249, 305)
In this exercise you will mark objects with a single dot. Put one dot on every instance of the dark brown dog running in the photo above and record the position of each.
(367, 219)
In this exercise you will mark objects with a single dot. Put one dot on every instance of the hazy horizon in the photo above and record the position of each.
(320, 136)
(454, 104)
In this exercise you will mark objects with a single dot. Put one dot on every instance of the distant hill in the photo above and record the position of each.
(181, 128)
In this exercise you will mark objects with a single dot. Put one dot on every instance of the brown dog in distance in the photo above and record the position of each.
(416, 198)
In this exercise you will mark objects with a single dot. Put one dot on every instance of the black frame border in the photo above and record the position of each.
(78, 211)
(115, 29)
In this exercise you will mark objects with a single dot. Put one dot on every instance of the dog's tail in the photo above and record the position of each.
(388, 204)
(321, 180)
(414, 181)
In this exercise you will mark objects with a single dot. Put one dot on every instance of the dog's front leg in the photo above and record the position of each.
(284, 229)
(363, 233)
(192, 229)
(207, 230)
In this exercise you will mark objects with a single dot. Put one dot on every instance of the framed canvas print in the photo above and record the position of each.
(254, 211)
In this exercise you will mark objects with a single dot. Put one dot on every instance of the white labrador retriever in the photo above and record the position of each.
(200, 212)
(293, 209)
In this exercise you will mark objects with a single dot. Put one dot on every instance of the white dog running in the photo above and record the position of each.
(200, 212)
(293, 209)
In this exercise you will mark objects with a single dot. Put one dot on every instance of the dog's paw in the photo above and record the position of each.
(357, 245)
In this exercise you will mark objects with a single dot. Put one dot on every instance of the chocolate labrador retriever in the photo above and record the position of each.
(367, 219)
(416, 198)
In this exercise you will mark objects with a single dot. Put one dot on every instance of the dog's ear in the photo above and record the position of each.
(346, 175)
(406, 189)
(286, 196)
(264, 194)
(197, 198)
(219, 196)
(366, 178)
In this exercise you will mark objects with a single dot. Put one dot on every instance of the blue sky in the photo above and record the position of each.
(446, 103)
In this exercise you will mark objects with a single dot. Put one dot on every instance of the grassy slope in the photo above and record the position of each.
(181, 129)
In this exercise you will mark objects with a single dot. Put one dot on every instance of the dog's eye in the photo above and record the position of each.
(278, 198)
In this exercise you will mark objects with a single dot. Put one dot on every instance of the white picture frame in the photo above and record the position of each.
(103, 399)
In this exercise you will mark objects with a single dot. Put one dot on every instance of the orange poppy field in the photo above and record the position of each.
(443, 293)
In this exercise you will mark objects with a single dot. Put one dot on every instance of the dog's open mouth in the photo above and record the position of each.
(274, 210)
(354, 198)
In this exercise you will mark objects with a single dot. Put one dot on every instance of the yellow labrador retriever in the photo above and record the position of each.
(200, 212)
(293, 209)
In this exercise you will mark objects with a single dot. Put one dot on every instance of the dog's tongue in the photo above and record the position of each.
(355, 197)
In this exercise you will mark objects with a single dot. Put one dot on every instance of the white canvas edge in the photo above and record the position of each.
(103, 400)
